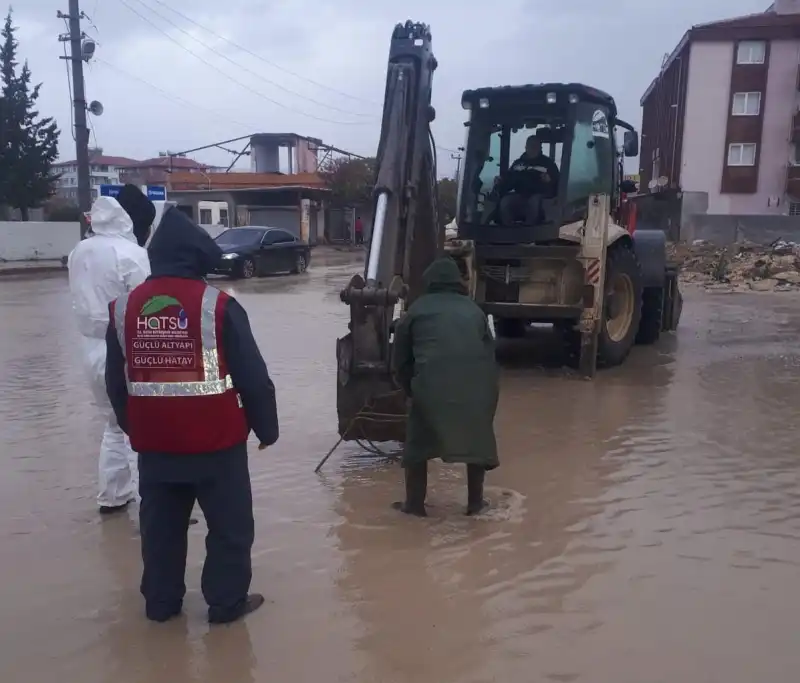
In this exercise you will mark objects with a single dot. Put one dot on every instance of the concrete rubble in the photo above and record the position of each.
(739, 267)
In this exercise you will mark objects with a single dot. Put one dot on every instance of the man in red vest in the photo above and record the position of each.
(187, 383)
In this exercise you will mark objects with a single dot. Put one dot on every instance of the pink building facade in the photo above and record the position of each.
(721, 119)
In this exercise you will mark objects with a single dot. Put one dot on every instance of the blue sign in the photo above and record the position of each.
(156, 193)
(110, 190)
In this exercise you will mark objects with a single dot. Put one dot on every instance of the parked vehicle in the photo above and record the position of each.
(252, 251)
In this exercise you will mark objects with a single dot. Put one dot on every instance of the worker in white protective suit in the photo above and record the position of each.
(102, 267)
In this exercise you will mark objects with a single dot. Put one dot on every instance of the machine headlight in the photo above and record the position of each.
(228, 257)
(551, 98)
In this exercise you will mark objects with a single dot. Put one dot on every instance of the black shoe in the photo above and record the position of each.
(161, 615)
(112, 509)
(251, 604)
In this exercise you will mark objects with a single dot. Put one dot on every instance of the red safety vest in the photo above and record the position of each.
(180, 397)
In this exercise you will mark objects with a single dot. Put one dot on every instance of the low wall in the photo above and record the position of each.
(724, 229)
(36, 241)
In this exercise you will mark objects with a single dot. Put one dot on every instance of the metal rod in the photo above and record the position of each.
(376, 237)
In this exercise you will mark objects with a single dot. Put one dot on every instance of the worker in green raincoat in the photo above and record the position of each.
(444, 361)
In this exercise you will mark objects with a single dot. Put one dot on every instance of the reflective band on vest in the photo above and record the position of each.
(213, 384)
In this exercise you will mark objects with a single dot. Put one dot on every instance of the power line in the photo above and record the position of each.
(171, 96)
(94, 135)
(232, 79)
(263, 59)
(248, 70)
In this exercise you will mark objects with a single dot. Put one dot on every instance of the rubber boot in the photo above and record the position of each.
(475, 500)
(416, 490)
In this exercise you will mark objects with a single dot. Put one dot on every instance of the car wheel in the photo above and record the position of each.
(247, 269)
(300, 263)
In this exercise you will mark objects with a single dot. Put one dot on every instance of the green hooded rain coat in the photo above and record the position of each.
(444, 360)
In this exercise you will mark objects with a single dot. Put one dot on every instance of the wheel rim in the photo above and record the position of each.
(619, 307)
(301, 263)
(248, 268)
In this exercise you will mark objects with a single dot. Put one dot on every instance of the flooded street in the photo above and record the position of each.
(644, 526)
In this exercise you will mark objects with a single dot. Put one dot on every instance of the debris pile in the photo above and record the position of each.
(744, 266)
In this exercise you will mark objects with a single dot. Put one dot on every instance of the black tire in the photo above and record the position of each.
(247, 269)
(300, 263)
(509, 328)
(652, 315)
(618, 331)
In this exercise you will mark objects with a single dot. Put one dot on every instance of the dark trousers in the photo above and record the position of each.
(169, 486)
(516, 207)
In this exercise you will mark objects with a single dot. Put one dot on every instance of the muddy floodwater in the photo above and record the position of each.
(645, 527)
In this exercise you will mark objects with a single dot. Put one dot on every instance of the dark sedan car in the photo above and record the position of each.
(251, 251)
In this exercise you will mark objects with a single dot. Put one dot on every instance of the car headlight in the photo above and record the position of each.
(228, 257)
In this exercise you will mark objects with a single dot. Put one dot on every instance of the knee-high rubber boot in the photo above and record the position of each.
(475, 477)
(416, 476)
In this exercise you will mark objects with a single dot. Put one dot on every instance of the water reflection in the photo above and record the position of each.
(457, 599)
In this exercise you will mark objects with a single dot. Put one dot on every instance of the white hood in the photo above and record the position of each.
(110, 219)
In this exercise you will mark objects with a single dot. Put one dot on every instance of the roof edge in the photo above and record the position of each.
(687, 38)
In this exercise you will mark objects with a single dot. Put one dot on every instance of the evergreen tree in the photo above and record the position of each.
(30, 142)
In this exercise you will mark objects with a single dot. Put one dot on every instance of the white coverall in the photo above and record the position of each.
(102, 268)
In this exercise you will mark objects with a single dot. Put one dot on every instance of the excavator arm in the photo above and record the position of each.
(404, 240)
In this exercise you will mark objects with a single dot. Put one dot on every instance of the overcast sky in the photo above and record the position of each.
(317, 67)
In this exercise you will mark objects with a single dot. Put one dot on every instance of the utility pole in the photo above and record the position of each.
(76, 57)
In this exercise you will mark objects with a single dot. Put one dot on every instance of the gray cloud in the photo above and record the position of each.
(343, 45)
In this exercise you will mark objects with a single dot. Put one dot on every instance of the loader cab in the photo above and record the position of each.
(575, 125)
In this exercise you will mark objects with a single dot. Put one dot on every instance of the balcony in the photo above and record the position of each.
(793, 181)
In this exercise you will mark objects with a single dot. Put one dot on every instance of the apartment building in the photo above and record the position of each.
(721, 118)
(103, 170)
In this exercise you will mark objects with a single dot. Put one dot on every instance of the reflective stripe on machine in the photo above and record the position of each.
(212, 384)
(593, 271)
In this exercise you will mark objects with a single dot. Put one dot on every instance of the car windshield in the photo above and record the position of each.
(239, 237)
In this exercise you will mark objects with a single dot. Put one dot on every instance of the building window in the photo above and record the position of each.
(751, 52)
(746, 104)
(205, 216)
(655, 169)
(742, 154)
(223, 217)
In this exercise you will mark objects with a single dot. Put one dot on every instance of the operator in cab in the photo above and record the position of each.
(530, 179)
(188, 383)
(444, 361)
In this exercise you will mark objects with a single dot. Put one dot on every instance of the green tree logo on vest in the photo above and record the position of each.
(150, 320)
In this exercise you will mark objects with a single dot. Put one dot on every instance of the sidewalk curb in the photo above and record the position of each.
(32, 270)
